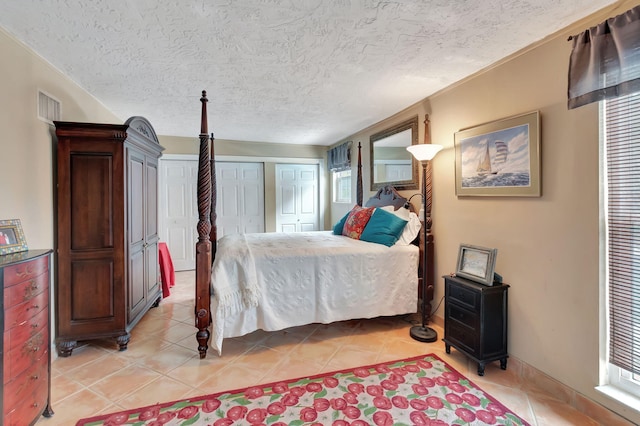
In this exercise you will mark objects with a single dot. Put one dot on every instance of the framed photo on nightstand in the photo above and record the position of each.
(476, 263)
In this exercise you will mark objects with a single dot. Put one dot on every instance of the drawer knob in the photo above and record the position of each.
(35, 405)
(35, 377)
(36, 325)
(35, 349)
(33, 307)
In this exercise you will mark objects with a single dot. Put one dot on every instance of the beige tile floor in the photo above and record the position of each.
(162, 364)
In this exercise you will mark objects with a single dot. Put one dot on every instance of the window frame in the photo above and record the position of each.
(337, 179)
(617, 383)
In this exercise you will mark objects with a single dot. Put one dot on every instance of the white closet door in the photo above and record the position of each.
(179, 210)
(297, 197)
(240, 188)
(240, 204)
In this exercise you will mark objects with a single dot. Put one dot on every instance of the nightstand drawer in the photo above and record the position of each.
(464, 316)
(464, 296)
(462, 337)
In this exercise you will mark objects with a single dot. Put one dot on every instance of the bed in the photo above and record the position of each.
(273, 281)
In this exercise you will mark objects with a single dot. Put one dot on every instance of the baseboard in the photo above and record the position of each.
(547, 384)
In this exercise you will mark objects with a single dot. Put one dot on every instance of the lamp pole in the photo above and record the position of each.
(423, 333)
(425, 153)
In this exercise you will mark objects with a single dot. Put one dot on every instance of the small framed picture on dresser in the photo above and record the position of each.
(11, 237)
(476, 263)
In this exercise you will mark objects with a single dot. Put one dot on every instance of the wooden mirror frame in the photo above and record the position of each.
(412, 124)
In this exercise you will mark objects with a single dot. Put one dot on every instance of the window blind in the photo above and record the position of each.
(339, 158)
(622, 133)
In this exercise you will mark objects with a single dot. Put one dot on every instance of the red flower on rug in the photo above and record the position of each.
(418, 391)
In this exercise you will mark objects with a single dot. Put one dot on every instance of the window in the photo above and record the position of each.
(342, 186)
(621, 175)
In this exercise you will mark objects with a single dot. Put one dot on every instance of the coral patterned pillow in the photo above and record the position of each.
(356, 221)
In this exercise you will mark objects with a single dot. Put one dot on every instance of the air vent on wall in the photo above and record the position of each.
(48, 108)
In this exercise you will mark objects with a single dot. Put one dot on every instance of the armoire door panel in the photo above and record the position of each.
(137, 290)
(153, 268)
(92, 289)
(151, 191)
(136, 199)
(91, 185)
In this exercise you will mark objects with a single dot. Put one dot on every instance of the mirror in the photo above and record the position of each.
(391, 163)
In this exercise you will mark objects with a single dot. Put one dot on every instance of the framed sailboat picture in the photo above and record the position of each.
(500, 158)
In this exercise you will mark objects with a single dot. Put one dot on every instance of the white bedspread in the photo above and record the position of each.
(304, 278)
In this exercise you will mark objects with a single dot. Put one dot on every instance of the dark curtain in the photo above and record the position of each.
(339, 158)
(605, 60)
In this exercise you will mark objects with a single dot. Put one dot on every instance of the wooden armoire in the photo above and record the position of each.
(107, 230)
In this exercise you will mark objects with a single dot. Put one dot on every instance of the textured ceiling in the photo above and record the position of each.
(287, 71)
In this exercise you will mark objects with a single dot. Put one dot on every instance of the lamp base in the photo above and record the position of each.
(423, 334)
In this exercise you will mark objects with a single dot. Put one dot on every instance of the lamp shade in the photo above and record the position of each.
(424, 152)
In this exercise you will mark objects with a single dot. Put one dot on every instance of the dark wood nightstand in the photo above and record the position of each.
(475, 320)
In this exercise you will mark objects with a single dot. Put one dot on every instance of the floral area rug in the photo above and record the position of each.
(423, 390)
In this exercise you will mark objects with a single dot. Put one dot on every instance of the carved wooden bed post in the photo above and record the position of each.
(203, 246)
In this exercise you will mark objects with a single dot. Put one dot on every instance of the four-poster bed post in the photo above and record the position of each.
(206, 235)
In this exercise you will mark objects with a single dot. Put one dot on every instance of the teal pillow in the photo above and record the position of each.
(383, 228)
(337, 228)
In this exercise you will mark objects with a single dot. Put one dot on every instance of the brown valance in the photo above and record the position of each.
(605, 60)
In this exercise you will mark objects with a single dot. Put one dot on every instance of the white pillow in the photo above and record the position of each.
(402, 213)
(411, 229)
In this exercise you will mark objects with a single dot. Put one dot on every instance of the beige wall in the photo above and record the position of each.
(26, 143)
(547, 246)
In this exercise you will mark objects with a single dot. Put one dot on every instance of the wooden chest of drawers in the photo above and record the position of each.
(25, 321)
(475, 320)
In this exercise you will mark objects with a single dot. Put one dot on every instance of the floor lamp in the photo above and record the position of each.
(425, 153)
